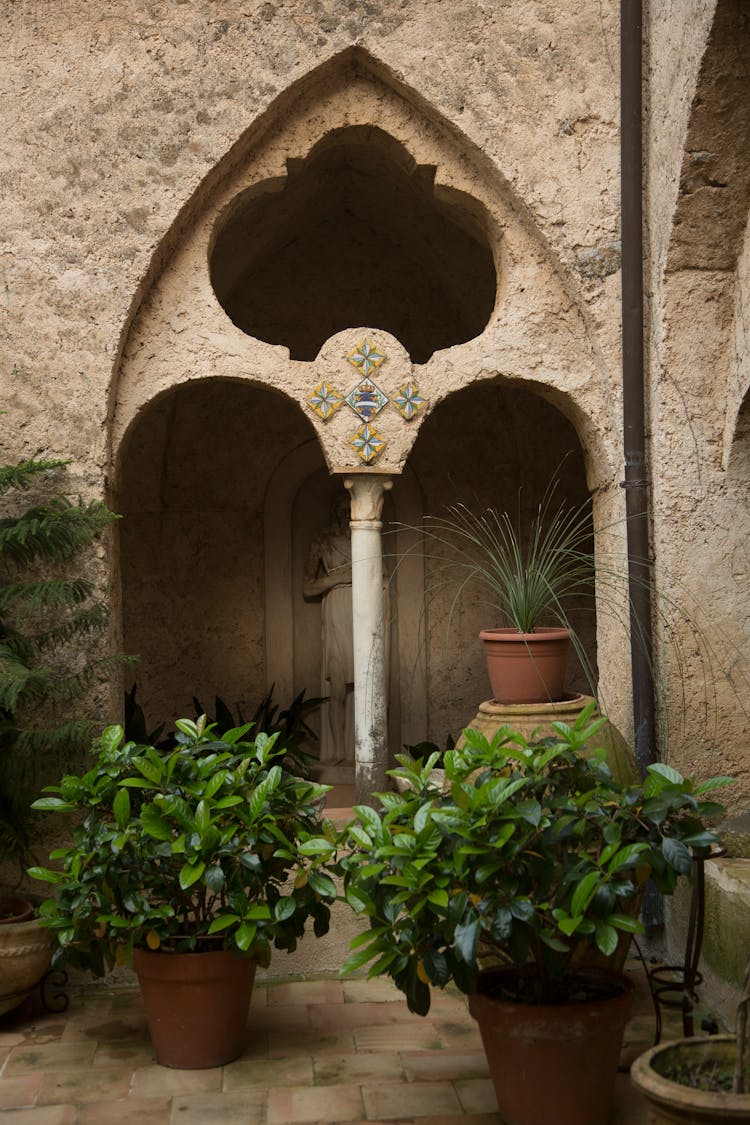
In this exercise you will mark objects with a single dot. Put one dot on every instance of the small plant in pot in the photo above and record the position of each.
(530, 579)
(531, 856)
(704, 1080)
(195, 860)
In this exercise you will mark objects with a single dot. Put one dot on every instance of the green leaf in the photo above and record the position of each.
(52, 804)
(359, 834)
(245, 935)
(321, 884)
(317, 845)
(661, 769)
(214, 878)
(626, 922)
(677, 855)
(359, 958)
(46, 875)
(191, 873)
(154, 823)
(584, 892)
(606, 938)
(202, 817)
(121, 807)
(222, 922)
(438, 898)
(466, 938)
(284, 908)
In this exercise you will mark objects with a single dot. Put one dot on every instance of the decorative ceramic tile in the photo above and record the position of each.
(366, 400)
(325, 401)
(368, 443)
(365, 357)
(408, 401)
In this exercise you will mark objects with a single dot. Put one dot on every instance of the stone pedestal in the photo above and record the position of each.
(535, 720)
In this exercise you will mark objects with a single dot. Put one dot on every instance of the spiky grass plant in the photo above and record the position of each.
(50, 622)
(529, 578)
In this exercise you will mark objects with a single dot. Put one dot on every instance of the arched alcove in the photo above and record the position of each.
(492, 445)
(357, 235)
(192, 479)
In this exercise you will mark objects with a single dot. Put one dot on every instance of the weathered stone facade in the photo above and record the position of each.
(207, 206)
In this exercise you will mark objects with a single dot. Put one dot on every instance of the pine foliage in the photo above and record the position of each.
(50, 618)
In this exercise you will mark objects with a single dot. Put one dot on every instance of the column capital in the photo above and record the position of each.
(367, 494)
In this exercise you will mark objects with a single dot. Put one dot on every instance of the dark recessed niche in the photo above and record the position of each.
(356, 236)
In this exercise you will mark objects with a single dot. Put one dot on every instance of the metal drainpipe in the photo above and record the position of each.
(637, 475)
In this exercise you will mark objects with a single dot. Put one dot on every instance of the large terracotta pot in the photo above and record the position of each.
(534, 720)
(196, 1005)
(526, 667)
(673, 1104)
(25, 956)
(553, 1062)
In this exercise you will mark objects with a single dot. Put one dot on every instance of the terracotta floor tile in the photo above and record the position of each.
(297, 1105)
(357, 1015)
(421, 1036)
(368, 1066)
(164, 1082)
(44, 1031)
(127, 1111)
(259, 997)
(423, 1099)
(107, 1029)
(41, 1115)
(265, 1073)
(471, 1119)
(84, 1085)
(309, 1040)
(306, 992)
(379, 990)
(49, 1056)
(11, 1038)
(279, 1018)
(125, 1053)
(19, 1091)
(458, 1034)
(247, 1108)
(434, 1065)
(477, 1095)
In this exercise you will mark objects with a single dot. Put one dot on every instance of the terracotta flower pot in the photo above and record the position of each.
(196, 1005)
(553, 1062)
(25, 956)
(14, 909)
(526, 667)
(671, 1103)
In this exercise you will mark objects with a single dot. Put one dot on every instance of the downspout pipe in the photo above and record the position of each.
(637, 472)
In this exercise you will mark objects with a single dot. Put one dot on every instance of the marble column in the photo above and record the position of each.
(367, 491)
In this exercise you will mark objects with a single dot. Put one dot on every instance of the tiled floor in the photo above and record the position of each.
(320, 1051)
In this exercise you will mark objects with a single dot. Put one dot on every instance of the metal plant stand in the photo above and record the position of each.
(674, 986)
(51, 993)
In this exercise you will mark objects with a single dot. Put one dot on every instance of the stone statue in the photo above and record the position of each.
(328, 576)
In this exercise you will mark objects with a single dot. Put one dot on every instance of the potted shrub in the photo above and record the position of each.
(704, 1080)
(533, 854)
(530, 578)
(49, 618)
(195, 860)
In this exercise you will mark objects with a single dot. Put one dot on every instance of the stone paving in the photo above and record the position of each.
(318, 1051)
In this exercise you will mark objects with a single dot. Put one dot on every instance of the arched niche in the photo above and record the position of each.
(180, 336)
(357, 235)
(492, 445)
(192, 478)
